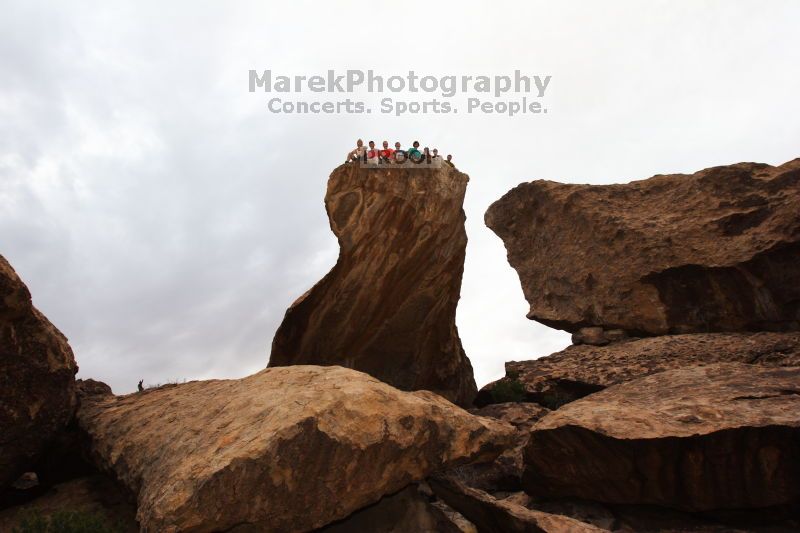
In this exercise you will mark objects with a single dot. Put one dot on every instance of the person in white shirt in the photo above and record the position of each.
(358, 153)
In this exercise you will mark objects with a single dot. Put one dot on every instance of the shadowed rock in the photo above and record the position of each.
(578, 371)
(505, 472)
(722, 436)
(94, 497)
(410, 510)
(388, 307)
(37, 378)
(712, 251)
(287, 449)
(493, 515)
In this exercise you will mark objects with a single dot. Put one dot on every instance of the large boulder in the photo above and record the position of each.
(388, 307)
(717, 250)
(37, 378)
(286, 449)
(721, 436)
(577, 371)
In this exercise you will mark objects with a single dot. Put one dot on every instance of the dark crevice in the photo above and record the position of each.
(762, 294)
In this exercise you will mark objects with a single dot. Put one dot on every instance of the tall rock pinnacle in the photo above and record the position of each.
(388, 307)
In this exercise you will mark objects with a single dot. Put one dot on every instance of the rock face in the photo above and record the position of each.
(722, 436)
(713, 251)
(388, 306)
(287, 449)
(573, 373)
(37, 378)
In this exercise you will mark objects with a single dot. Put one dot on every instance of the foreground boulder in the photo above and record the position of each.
(717, 250)
(722, 436)
(568, 375)
(388, 307)
(287, 449)
(37, 378)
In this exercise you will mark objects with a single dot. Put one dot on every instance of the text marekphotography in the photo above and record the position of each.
(364, 92)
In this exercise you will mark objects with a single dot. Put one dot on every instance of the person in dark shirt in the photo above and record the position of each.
(399, 154)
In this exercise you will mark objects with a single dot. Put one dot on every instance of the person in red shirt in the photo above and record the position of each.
(387, 154)
(372, 153)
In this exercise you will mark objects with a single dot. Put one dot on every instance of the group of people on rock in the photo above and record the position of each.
(386, 155)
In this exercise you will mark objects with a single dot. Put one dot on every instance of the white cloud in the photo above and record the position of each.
(157, 212)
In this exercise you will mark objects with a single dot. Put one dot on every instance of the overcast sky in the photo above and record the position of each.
(164, 219)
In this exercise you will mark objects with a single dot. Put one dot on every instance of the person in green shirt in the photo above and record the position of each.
(413, 153)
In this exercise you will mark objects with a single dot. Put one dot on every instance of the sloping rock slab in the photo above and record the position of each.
(717, 250)
(287, 449)
(573, 373)
(37, 378)
(722, 436)
(499, 516)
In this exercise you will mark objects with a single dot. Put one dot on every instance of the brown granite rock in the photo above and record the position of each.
(286, 449)
(91, 387)
(505, 472)
(493, 515)
(573, 373)
(717, 250)
(721, 436)
(388, 307)
(37, 378)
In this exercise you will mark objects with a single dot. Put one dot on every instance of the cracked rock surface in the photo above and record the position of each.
(720, 436)
(577, 371)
